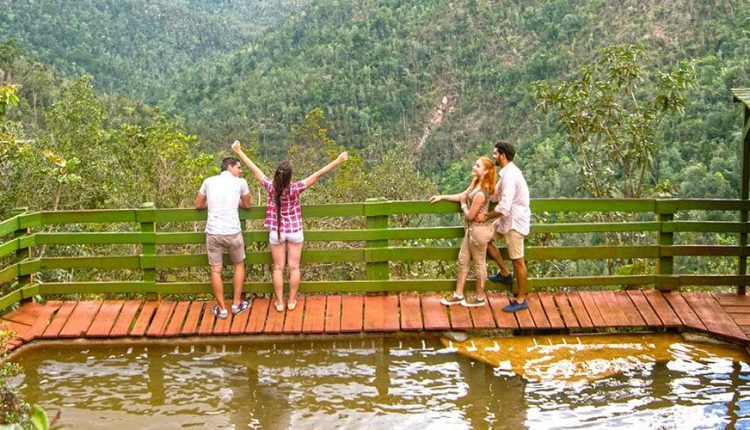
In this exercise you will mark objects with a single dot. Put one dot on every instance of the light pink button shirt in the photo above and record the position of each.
(513, 195)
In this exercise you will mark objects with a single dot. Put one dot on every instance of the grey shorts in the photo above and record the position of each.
(217, 243)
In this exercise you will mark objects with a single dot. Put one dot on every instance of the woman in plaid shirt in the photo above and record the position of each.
(284, 221)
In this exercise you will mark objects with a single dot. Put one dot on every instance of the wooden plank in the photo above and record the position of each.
(550, 309)
(239, 321)
(293, 322)
(726, 299)
(411, 312)
(460, 317)
(333, 313)
(632, 315)
(105, 319)
(504, 320)
(644, 308)
(537, 311)
(741, 319)
(608, 309)
(256, 321)
(524, 318)
(20, 330)
(42, 321)
(80, 320)
(592, 309)
(315, 314)
(381, 313)
(582, 315)
(352, 308)
(683, 310)
(481, 316)
(26, 314)
(566, 312)
(207, 321)
(124, 320)
(190, 327)
(161, 318)
(434, 313)
(222, 326)
(736, 309)
(144, 318)
(713, 317)
(665, 313)
(274, 319)
(177, 320)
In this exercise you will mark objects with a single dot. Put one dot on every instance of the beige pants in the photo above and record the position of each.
(474, 248)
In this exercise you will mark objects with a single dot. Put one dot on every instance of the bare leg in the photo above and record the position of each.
(519, 265)
(494, 254)
(294, 254)
(216, 286)
(237, 280)
(278, 254)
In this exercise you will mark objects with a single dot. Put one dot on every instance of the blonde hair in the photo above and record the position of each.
(488, 181)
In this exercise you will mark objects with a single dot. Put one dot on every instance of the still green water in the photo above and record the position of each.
(383, 383)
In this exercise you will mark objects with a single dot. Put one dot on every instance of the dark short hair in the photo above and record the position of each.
(506, 148)
(228, 162)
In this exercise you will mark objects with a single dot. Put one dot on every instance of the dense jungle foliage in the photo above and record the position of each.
(112, 104)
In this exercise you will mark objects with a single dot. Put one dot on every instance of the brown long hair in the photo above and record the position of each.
(488, 182)
(281, 180)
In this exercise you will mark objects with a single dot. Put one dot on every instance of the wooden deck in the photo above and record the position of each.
(723, 315)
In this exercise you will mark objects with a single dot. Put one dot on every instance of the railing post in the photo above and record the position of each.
(665, 280)
(22, 253)
(377, 217)
(145, 215)
(744, 194)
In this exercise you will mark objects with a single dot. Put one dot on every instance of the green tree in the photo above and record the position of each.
(611, 115)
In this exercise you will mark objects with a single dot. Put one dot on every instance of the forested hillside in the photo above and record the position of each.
(135, 46)
(381, 69)
(436, 80)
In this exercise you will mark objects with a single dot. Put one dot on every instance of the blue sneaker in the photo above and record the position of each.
(500, 278)
(515, 306)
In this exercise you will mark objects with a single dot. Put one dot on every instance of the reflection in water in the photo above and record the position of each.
(391, 383)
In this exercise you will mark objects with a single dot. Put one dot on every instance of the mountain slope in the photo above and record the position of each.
(135, 46)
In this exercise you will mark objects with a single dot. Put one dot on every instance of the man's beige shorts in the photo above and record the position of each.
(514, 240)
(217, 243)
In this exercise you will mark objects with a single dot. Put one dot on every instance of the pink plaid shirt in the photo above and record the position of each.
(291, 210)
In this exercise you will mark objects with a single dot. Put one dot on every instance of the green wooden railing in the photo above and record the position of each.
(373, 243)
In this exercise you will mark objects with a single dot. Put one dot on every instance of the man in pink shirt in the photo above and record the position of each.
(513, 222)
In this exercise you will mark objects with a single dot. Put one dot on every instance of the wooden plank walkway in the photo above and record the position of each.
(723, 315)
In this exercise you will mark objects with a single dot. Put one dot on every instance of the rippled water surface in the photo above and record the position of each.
(401, 383)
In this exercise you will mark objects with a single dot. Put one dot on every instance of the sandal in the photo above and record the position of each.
(291, 305)
(279, 306)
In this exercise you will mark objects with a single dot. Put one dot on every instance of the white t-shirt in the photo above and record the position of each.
(223, 194)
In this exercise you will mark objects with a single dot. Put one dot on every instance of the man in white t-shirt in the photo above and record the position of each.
(513, 222)
(223, 194)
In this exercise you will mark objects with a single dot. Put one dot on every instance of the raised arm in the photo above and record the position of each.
(247, 161)
(327, 168)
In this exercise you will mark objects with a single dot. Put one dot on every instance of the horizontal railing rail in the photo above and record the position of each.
(145, 242)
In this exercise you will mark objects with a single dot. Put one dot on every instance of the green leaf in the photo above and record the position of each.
(39, 418)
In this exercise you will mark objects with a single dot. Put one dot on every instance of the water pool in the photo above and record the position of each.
(394, 382)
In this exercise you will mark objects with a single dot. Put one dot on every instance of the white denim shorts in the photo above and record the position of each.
(297, 237)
